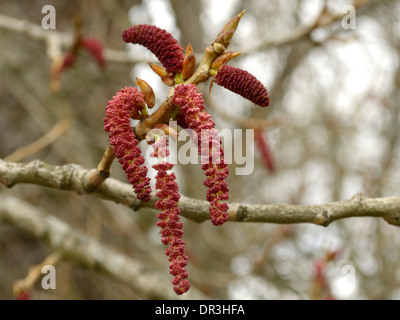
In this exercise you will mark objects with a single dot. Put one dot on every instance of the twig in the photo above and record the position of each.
(103, 168)
(55, 40)
(75, 178)
(324, 19)
(47, 139)
(26, 284)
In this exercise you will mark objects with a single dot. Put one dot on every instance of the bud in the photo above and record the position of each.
(166, 77)
(161, 71)
(147, 91)
(135, 115)
(227, 32)
(189, 63)
(224, 59)
(218, 48)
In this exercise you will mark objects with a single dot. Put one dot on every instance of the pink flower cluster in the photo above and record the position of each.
(127, 102)
(243, 83)
(161, 43)
(209, 146)
(169, 222)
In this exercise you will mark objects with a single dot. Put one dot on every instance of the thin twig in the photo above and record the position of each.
(55, 40)
(103, 168)
(41, 143)
(34, 273)
(324, 19)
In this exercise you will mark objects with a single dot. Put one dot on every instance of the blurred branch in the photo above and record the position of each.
(24, 152)
(324, 19)
(55, 40)
(76, 178)
(25, 285)
(83, 250)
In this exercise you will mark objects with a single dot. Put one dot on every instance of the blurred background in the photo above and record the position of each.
(330, 132)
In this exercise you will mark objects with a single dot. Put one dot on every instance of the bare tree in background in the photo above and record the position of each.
(326, 154)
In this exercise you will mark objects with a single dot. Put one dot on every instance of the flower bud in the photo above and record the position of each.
(189, 63)
(224, 59)
(227, 32)
(147, 91)
(218, 47)
(166, 77)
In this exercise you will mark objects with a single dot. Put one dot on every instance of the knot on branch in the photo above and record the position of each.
(324, 218)
(393, 218)
(358, 199)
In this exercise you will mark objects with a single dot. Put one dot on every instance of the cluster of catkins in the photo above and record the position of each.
(130, 103)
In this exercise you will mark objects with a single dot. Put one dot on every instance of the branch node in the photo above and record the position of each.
(323, 219)
(93, 179)
(238, 212)
(136, 205)
(393, 218)
(358, 198)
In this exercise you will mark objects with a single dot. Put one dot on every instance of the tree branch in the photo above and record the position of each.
(324, 19)
(56, 39)
(76, 178)
(78, 247)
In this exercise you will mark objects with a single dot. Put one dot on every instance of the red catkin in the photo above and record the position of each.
(243, 83)
(125, 146)
(95, 48)
(169, 217)
(209, 147)
(161, 43)
(265, 150)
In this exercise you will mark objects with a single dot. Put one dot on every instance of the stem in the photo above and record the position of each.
(103, 171)
(165, 110)
(34, 273)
